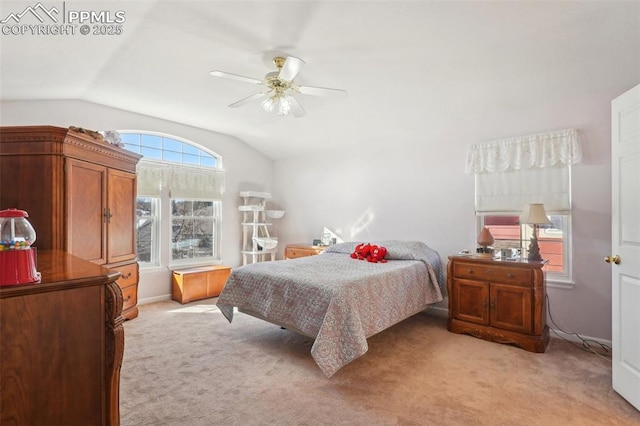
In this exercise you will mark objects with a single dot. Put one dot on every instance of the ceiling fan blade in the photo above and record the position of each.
(224, 74)
(296, 109)
(255, 97)
(321, 91)
(291, 68)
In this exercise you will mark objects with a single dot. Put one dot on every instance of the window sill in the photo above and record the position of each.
(177, 266)
(151, 268)
(564, 285)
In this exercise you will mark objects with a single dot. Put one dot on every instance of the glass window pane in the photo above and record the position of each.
(132, 148)
(151, 141)
(190, 159)
(172, 156)
(144, 229)
(203, 208)
(152, 153)
(130, 138)
(505, 231)
(181, 208)
(203, 228)
(189, 149)
(143, 206)
(172, 145)
(209, 161)
(551, 243)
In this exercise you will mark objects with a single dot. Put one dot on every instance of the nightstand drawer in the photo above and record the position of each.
(499, 274)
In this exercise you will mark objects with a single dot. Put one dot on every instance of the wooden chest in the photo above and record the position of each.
(198, 283)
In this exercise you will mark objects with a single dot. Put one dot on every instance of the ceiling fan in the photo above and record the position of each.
(279, 88)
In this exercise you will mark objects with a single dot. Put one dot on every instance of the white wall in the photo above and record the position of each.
(417, 189)
(246, 169)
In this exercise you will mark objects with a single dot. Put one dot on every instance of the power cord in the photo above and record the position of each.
(586, 343)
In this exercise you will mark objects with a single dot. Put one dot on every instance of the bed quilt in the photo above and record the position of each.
(335, 299)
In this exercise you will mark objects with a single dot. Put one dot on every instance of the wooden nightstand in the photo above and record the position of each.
(498, 300)
(292, 251)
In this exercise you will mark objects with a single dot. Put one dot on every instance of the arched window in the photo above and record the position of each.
(154, 146)
(179, 205)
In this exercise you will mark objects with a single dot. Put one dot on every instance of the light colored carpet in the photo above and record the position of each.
(186, 365)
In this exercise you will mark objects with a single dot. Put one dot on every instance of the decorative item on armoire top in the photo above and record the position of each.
(485, 239)
(17, 258)
(535, 215)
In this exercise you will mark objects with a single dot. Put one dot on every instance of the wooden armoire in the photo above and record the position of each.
(80, 194)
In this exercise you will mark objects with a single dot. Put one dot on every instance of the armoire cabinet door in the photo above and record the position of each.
(121, 190)
(86, 208)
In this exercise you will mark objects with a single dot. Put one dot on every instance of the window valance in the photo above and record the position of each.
(196, 183)
(539, 150)
(151, 178)
(180, 180)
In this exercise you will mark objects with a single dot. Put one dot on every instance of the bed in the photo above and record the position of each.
(337, 300)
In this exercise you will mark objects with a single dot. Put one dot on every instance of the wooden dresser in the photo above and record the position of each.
(500, 301)
(80, 194)
(291, 251)
(62, 345)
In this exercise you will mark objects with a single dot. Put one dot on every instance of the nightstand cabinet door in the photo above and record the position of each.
(511, 308)
(471, 301)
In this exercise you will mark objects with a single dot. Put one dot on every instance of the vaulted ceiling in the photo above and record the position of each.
(409, 67)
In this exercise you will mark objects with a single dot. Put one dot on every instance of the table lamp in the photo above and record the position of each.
(535, 215)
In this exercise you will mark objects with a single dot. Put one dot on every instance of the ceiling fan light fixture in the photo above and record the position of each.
(269, 104)
(284, 105)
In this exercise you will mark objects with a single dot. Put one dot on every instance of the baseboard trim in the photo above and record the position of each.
(441, 311)
(559, 334)
(154, 299)
(438, 311)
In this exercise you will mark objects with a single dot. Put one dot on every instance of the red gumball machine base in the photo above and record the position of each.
(18, 267)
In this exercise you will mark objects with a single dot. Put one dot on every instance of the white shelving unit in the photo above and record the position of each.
(257, 244)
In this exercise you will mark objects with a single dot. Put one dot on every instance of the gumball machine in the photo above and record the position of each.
(17, 258)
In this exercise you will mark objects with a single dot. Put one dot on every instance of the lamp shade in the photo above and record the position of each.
(485, 238)
(534, 214)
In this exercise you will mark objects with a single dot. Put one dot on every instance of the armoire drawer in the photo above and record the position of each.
(129, 297)
(128, 274)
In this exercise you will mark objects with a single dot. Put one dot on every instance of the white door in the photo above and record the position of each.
(625, 244)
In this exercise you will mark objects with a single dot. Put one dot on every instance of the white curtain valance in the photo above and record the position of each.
(152, 178)
(539, 150)
(179, 180)
(197, 183)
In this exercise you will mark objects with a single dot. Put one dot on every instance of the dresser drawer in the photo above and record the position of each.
(129, 297)
(128, 274)
(492, 273)
(293, 252)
